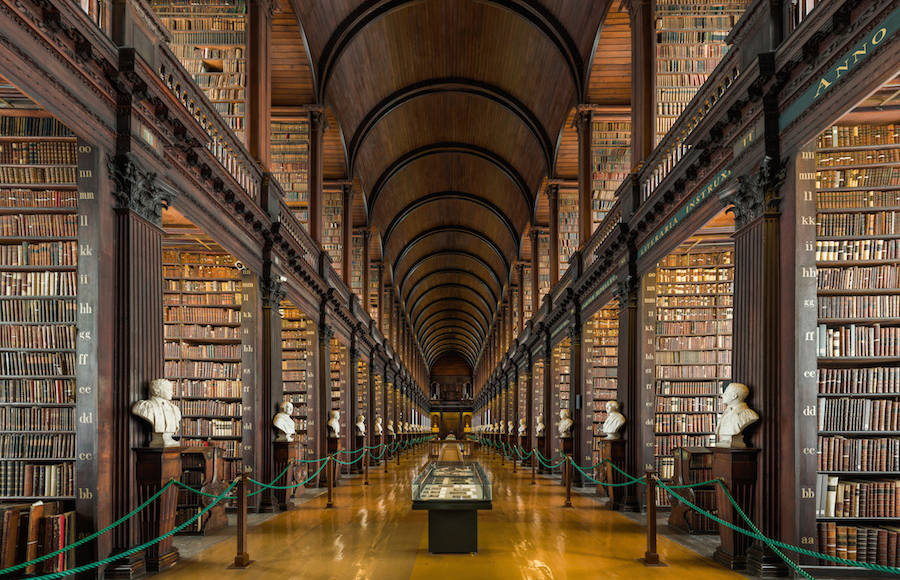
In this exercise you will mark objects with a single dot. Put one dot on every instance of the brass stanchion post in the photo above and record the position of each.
(651, 558)
(366, 467)
(241, 557)
(533, 467)
(567, 473)
(330, 477)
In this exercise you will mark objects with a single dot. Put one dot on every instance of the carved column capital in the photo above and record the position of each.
(318, 120)
(582, 121)
(626, 289)
(137, 189)
(553, 192)
(271, 291)
(757, 194)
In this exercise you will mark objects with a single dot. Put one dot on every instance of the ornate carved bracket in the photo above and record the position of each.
(137, 190)
(758, 194)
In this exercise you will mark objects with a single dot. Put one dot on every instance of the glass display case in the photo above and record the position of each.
(452, 492)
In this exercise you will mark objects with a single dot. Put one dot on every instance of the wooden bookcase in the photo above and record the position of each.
(362, 393)
(357, 264)
(379, 395)
(857, 252)
(298, 373)
(209, 38)
(610, 162)
(527, 289)
(568, 227)
(543, 265)
(600, 347)
(332, 225)
(338, 375)
(289, 143)
(373, 291)
(561, 382)
(690, 42)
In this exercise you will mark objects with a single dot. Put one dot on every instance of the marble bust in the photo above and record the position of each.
(614, 420)
(565, 424)
(162, 414)
(378, 428)
(539, 426)
(405, 427)
(522, 427)
(361, 425)
(391, 427)
(334, 425)
(737, 417)
(509, 427)
(284, 423)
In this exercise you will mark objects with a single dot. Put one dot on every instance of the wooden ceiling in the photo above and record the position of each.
(448, 115)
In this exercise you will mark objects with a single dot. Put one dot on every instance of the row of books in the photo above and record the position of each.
(858, 278)
(202, 315)
(202, 351)
(207, 299)
(22, 479)
(693, 357)
(46, 391)
(874, 545)
(37, 284)
(198, 331)
(217, 288)
(39, 225)
(857, 224)
(857, 250)
(28, 174)
(199, 271)
(859, 135)
(844, 158)
(38, 153)
(689, 388)
(39, 254)
(667, 444)
(681, 51)
(693, 404)
(865, 177)
(856, 199)
(855, 340)
(207, 407)
(693, 275)
(211, 427)
(44, 336)
(701, 301)
(36, 198)
(684, 423)
(697, 343)
(858, 414)
(686, 288)
(695, 314)
(842, 454)
(37, 418)
(217, 389)
(693, 372)
(40, 311)
(873, 380)
(28, 531)
(221, 80)
(33, 127)
(37, 363)
(37, 445)
(202, 370)
(857, 499)
(218, 24)
(180, 258)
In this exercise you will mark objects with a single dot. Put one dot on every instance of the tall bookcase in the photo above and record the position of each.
(561, 388)
(209, 38)
(38, 309)
(527, 290)
(373, 291)
(522, 386)
(203, 309)
(568, 227)
(858, 341)
(289, 142)
(378, 392)
(332, 224)
(338, 372)
(543, 264)
(298, 370)
(610, 161)
(694, 310)
(357, 264)
(601, 339)
(690, 42)
(362, 391)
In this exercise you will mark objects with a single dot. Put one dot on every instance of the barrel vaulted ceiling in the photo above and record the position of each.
(451, 114)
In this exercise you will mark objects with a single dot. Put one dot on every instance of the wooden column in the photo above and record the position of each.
(511, 321)
(643, 79)
(553, 200)
(323, 392)
(529, 403)
(582, 413)
(380, 320)
(259, 85)
(549, 420)
(318, 122)
(347, 233)
(138, 331)
(521, 304)
(352, 401)
(535, 272)
(365, 273)
(630, 380)
(585, 212)
(270, 385)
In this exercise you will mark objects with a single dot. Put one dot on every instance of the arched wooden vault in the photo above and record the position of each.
(450, 115)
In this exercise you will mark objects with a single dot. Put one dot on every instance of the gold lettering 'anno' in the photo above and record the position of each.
(849, 62)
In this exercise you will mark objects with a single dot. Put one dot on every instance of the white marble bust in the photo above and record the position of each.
(361, 425)
(162, 414)
(391, 427)
(509, 427)
(737, 417)
(378, 428)
(565, 424)
(284, 423)
(502, 428)
(522, 427)
(539, 427)
(406, 427)
(614, 420)
(334, 424)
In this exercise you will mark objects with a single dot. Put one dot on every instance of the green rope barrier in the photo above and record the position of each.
(603, 483)
(302, 483)
(189, 488)
(143, 546)
(687, 485)
(628, 475)
(357, 460)
(352, 451)
(93, 536)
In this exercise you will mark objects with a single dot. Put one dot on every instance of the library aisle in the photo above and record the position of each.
(373, 533)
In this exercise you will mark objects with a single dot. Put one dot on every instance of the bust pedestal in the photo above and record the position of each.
(374, 453)
(737, 468)
(566, 446)
(525, 444)
(155, 467)
(357, 448)
(334, 445)
(612, 450)
(285, 452)
(542, 449)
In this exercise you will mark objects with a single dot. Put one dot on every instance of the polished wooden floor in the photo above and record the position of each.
(372, 532)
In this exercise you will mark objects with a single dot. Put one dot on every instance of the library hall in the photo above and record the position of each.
(440, 289)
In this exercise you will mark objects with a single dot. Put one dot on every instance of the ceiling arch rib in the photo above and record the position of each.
(444, 257)
(449, 303)
(454, 273)
(453, 288)
(457, 324)
(368, 12)
(451, 344)
(449, 333)
(461, 315)
(466, 231)
(451, 85)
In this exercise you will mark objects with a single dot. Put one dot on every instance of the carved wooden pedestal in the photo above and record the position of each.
(155, 467)
(541, 447)
(374, 453)
(358, 453)
(284, 452)
(525, 444)
(334, 445)
(612, 450)
(737, 468)
(566, 445)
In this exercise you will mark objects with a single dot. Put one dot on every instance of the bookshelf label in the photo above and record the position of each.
(85, 493)
(807, 493)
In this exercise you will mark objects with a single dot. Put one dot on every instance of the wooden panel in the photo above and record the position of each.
(450, 365)
(292, 81)
(610, 78)
(333, 159)
(567, 152)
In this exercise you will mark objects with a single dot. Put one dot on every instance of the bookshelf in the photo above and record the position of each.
(362, 391)
(514, 301)
(522, 385)
(202, 313)
(690, 42)
(537, 385)
(332, 224)
(601, 339)
(357, 263)
(289, 142)
(298, 370)
(378, 387)
(694, 309)
(209, 39)
(527, 289)
(543, 265)
(610, 162)
(373, 291)
(562, 385)
(858, 352)
(568, 227)
(38, 310)
(338, 372)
